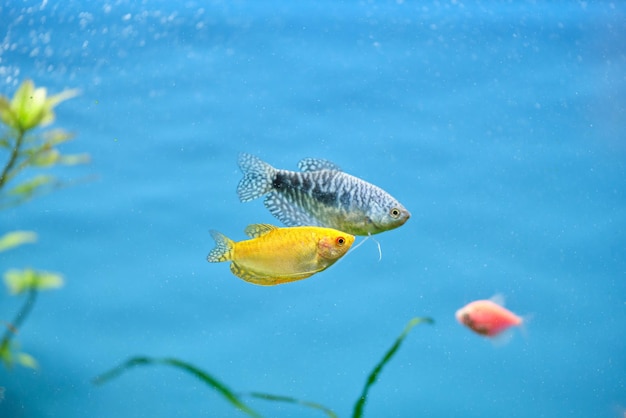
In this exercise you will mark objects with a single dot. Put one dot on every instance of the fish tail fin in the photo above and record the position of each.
(257, 177)
(523, 327)
(224, 248)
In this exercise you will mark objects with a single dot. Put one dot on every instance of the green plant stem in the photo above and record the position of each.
(19, 318)
(278, 398)
(211, 381)
(13, 159)
(371, 379)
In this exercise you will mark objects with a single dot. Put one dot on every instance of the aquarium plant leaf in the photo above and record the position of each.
(278, 398)
(20, 281)
(29, 187)
(45, 158)
(7, 345)
(9, 356)
(74, 159)
(54, 137)
(16, 238)
(212, 382)
(31, 107)
(5, 353)
(26, 108)
(26, 360)
(371, 379)
(6, 114)
(27, 190)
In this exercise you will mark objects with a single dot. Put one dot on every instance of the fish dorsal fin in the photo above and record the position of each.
(314, 164)
(498, 299)
(258, 230)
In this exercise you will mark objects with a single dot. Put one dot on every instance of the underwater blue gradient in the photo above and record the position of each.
(500, 126)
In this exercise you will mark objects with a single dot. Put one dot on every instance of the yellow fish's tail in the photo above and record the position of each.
(224, 248)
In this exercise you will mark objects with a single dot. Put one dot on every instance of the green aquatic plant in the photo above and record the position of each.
(371, 379)
(236, 399)
(28, 148)
(205, 377)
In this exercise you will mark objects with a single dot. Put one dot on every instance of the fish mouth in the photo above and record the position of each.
(381, 225)
(404, 216)
(401, 219)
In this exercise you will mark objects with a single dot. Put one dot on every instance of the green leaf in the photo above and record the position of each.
(45, 154)
(22, 95)
(26, 360)
(212, 382)
(20, 281)
(74, 159)
(277, 398)
(54, 137)
(28, 106)
(31, 107)
(6, 113)
(46, 158)
(52, 101)
(29, 187)
(5, 353)
(25, 191)
(16, 238)
(10, 355)
(360, 404)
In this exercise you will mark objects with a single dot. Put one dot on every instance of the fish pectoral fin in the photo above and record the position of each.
(315, 164)
(289, 212)
(258, 230)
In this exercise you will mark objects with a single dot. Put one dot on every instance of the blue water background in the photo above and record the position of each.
(500, 125)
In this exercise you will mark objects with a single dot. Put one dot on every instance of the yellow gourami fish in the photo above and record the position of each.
(280, 255)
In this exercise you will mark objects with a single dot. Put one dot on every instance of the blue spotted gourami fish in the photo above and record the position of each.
(321, 194)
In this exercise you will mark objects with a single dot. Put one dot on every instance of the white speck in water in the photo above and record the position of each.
(84, 19)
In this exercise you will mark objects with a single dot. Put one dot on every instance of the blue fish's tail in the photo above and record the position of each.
(257, 178)
(224, 248)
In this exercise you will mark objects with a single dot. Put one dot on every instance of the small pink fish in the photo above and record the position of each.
(487, 317)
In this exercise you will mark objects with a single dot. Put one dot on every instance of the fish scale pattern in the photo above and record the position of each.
(325, 194)
(320, 195)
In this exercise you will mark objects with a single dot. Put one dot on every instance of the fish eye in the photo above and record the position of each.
(394, 212)
(340, 241)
